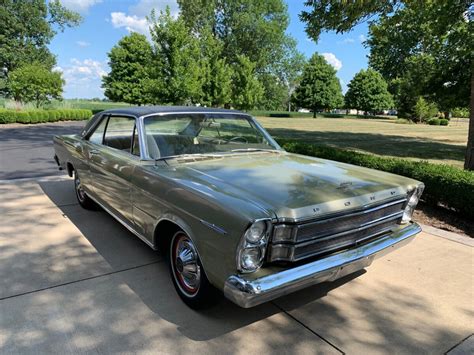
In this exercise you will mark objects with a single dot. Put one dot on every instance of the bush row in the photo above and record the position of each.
(438, 122)
(40, 116)
(444, 185)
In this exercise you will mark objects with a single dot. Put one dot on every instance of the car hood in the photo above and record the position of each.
(294, 186)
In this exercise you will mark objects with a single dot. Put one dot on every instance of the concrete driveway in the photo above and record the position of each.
(75, 281)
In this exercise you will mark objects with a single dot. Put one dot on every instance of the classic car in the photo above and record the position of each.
(232, 210)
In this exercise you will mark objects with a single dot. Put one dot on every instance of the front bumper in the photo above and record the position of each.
(246, 293)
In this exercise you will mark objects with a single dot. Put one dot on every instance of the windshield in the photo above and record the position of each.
(182, 134)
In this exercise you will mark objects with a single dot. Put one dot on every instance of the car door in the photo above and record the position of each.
(112, 163)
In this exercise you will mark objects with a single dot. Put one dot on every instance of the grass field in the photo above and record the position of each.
(383, 137)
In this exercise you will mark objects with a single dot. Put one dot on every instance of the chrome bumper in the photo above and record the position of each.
(246, 293)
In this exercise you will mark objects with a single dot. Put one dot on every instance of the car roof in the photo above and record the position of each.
(149, 110)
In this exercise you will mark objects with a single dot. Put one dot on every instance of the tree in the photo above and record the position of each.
(177, 74)
(255, 29)
(247, 90)
(469, 161)
(129, 62)
(424, 110)
(217, 83)
(26, 29)
(368, 92)
(402, 29)
(252, 28)
(34, 82)
(439, 32)
(319, 88)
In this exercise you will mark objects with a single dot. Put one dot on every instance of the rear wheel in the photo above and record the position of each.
(187, 273)
(84, 200)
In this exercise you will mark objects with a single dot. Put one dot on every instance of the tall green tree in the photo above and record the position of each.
(247, 90)
(255, 29)
(130, 62)
(401, 29)
(217, 81)
(26, 29)
(368, 92)
(177, 75)
(438, 31)
(319, 88)
(35, 83)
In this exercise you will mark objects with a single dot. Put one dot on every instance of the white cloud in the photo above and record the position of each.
(135, 20)
(83, 43)
(362, 38)
(144, 7)
(83, 77)
(131, 23)
(332, 59)
(79, 5)
(346, 41)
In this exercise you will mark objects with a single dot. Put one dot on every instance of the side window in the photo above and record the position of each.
(98, 134)
(119, 133)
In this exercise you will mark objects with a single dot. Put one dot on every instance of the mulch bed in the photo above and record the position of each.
(444, 219)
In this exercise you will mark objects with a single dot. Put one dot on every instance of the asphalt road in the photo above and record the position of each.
(27, 150)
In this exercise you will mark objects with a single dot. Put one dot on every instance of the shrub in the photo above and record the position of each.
(462, 112)
(443, 122)
(446, 185)
(434, 122)
(40, 116)
(7, 116)
(22, 117)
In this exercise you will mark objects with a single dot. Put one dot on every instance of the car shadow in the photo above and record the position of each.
(145, 271)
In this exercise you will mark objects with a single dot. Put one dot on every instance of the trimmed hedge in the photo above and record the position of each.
(42, 116)
(444, 185)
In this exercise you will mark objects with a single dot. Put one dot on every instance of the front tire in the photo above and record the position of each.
(84, 200)
(187, 273)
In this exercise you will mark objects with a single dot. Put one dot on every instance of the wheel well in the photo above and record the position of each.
(164, 231)
(69, 169)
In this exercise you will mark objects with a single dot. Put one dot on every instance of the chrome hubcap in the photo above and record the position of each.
(185, 265)
(79, 190)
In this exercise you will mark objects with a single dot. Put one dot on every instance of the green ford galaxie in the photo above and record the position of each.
(233, 211)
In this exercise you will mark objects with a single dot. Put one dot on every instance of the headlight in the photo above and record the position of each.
(251, 250)
(411, 204)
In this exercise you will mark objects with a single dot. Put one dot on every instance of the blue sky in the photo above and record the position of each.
(82, 51)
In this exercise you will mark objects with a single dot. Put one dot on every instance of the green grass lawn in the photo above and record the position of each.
(437, 144)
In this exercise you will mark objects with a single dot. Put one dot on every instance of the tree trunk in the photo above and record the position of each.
(469, 162)
(314, 113)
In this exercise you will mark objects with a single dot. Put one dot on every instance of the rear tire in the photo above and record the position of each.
(187, 273)
(84, 200)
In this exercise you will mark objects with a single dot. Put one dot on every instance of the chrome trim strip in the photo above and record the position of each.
(125, 224)
(248, 293)
(364, 209)
(213, 227)
(194, 113)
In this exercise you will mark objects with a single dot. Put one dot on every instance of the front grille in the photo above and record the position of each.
(337, 232)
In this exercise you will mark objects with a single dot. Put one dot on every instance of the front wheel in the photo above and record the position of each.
(187, 273)
(84, 200)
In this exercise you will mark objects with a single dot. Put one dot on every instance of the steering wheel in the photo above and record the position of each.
(237, 138)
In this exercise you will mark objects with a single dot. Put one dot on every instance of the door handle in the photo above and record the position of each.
(93, 152)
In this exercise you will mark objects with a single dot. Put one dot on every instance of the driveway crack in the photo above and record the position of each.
(80, 280)
(306, 327)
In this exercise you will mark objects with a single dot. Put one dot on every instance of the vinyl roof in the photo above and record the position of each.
(147, 110)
